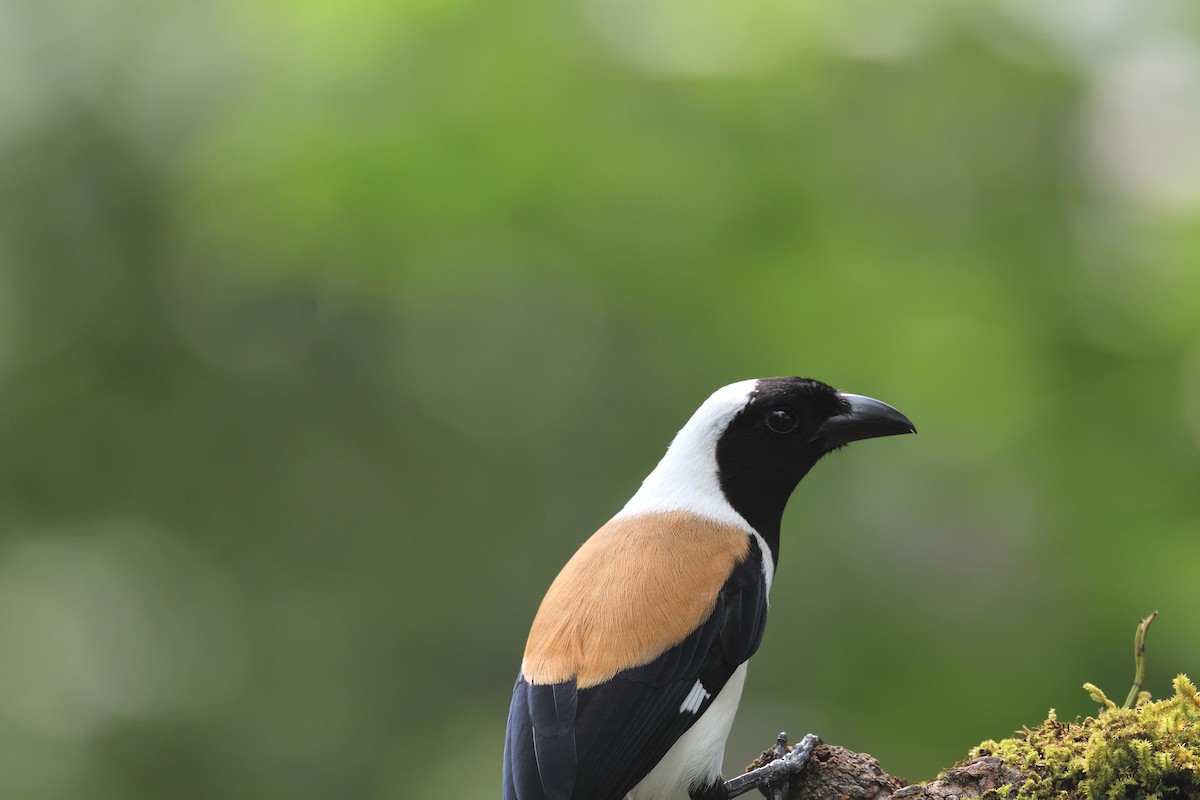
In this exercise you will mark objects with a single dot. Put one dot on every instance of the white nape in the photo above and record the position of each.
(686, 477)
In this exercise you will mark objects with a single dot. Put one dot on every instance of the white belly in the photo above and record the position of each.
(697, 755)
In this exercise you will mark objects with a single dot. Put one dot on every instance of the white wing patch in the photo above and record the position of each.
(696, 697)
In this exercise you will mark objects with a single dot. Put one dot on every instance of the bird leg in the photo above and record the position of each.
(777, 773)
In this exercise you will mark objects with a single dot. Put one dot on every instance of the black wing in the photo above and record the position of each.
(565, 743)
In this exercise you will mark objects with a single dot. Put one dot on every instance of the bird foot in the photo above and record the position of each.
(776, 774)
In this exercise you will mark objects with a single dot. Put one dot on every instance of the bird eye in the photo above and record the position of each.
(781, 420)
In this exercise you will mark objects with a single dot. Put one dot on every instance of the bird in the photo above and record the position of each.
(636, 659)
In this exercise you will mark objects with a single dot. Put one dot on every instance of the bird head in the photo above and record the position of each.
(741, 454)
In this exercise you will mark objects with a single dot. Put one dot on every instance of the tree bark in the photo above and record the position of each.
(835, 773)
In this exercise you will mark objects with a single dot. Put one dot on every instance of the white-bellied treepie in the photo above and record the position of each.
(636, 659)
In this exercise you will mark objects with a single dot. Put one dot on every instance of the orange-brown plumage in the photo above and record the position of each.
(638, 586)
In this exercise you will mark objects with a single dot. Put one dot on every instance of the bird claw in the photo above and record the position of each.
(777, 773)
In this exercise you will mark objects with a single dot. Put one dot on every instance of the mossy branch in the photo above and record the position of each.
(1145, 749)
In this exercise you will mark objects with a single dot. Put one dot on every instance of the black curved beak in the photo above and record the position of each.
(867, 419)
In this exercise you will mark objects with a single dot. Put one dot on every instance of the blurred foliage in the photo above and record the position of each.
(328, 331)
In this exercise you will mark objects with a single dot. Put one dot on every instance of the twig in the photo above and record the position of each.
(1139, 659)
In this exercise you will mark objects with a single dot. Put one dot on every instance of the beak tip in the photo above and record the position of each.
(867, 418)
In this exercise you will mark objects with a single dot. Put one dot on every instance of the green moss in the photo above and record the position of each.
(1150, 751)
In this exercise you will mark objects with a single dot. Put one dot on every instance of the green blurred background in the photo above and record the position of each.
(329, 331)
